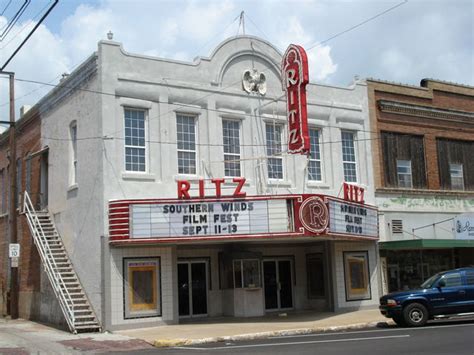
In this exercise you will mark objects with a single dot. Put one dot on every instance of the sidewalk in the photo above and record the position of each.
(204, 330)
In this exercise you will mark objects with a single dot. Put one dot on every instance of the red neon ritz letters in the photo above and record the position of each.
(353, 193)
(184, 186)
(294, 68)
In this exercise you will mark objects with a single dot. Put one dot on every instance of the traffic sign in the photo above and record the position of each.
(14, 250)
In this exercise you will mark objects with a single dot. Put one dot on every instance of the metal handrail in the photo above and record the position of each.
(64, 297)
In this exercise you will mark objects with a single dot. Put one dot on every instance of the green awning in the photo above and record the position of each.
(426, 244)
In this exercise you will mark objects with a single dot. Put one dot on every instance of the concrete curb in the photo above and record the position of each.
(163, 343)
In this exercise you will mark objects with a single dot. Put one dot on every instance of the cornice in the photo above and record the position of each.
(405, 109)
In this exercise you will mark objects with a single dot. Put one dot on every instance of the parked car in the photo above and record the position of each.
(445, 294)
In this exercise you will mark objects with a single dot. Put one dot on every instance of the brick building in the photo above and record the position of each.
(124, 130)
(424, 176)
(30, 162)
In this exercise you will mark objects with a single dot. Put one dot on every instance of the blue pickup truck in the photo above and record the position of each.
(445, 294)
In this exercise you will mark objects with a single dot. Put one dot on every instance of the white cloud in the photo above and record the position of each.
(320, 62)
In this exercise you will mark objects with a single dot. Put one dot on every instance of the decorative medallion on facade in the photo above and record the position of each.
(253, 81)
(294, 69)
(314, 215)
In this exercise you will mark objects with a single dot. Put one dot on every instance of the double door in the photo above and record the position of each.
(192, 288)
(278, 284)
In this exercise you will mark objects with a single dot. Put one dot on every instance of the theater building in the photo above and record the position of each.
(172, 189)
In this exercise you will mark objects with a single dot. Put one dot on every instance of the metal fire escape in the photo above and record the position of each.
(74, 303)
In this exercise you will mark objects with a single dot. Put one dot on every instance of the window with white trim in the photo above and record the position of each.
(231, 137)
(135, 150)
(73, 166)
(404, 173)
(314, 165)
(457, 176)
(274, 159)
(186, 139)
(349, 156)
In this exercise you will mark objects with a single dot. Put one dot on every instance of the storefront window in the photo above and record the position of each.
(408, 269)
(246, 273)
(315, 272)
(356, 273)
(141, 288)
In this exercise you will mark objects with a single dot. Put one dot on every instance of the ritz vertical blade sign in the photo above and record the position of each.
(294, 68)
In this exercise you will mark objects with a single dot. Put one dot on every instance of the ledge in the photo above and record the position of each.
(72, 187)
(279, 183)
(138, 176)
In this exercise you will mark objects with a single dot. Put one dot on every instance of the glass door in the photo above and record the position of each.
(192, 288)
(278, 284)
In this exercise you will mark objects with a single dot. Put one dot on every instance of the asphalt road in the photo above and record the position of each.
(445, 338)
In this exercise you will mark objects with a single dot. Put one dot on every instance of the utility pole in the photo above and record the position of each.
(13, 311)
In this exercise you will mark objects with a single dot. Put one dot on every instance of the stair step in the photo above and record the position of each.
(85, 317)
(82, 327)
(86, 323)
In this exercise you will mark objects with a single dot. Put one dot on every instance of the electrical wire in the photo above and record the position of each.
(238, 82)
(15, 19)
(6, 7)
(25, 26)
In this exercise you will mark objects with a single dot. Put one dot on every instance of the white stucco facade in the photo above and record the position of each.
(209, 89)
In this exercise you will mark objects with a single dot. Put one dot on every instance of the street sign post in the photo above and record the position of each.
(14, 250)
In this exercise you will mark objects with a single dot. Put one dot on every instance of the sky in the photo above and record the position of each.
(418, 39)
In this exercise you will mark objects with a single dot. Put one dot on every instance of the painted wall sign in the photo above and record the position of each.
(352, 219)
(294, 68)
(199, 219)
(464, 226)
(184, 187)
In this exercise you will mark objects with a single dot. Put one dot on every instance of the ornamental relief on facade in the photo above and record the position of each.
(253, 81)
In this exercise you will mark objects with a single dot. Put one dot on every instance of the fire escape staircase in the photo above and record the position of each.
(67, 288)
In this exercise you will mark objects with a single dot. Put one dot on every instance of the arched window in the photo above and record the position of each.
(73, 153)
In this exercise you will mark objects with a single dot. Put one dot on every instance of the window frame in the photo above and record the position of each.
(320, 160)
(410, 168)
(145, 145)
(195, 151)
(456, 177)
(73, 154)
(354, 162)
(242, 273)
(357, 294)
(235, 155)
(129, 313)
(278, 147)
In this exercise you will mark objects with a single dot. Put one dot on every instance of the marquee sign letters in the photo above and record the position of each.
(294, 68)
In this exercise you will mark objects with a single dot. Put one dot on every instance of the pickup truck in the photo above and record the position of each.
(445, 294)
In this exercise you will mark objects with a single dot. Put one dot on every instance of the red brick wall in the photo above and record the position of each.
(435, 94)
(28, 141)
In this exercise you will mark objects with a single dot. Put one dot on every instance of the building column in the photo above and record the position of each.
(169, 287)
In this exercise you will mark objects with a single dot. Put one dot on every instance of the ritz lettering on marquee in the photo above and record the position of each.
(294, 68)
(353, 193)
(184, 186)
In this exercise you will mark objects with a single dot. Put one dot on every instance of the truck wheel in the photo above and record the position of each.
(399, 321)
(415, 315)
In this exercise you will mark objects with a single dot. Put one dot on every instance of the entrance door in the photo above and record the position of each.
(192, 288)
(278, 286)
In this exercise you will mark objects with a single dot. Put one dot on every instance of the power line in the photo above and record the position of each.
(14, 20)
(26, 25)
(317, 44)
(6, 7)
(238, 82)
